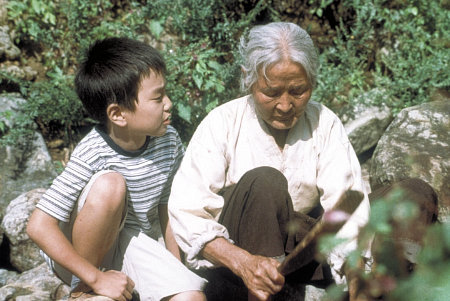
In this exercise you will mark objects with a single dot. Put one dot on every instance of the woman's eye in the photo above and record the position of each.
(271, 93)
(298, 92)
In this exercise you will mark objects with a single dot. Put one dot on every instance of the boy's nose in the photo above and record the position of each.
(167, 103)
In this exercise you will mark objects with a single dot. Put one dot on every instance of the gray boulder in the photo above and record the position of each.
(7, 277)
(27, 164)
(35, 284)
(3, 12)
(416, 144)
(24, 254)
(367, 121)
(7, 48)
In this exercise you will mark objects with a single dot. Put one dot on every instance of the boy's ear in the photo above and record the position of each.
(115, 115)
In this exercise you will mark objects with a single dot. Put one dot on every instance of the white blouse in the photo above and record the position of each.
(317, 160)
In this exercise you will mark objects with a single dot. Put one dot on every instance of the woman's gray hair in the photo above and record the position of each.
(271, 43)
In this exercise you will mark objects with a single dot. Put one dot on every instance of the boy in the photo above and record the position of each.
(118, 175)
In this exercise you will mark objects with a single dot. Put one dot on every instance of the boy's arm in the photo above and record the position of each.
(43, 229)
(167, 233)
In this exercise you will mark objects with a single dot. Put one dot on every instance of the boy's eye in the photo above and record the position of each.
(159, 98)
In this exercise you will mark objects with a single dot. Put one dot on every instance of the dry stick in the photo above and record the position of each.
(347, 204)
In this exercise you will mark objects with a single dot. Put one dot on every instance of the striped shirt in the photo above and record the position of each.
(148, 173)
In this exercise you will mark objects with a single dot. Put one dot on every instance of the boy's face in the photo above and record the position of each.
(152, 114)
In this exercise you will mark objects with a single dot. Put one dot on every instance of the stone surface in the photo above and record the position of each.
(7, 48)
(3, 12)
(368, 127)
(7, 276)
(24, 254)
(416, 144)
(366, 123)
(25, 73)
(25, 165)
(36, 284)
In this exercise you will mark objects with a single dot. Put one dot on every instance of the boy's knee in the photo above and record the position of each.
(187, 295)
(108, 189)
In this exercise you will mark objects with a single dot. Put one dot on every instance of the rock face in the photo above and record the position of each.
(35, 284)
(367, 127)
(26, 165)
(7, 277)
(366, 123)
(416, 144)
(3, 12)
(24, 253)
(8, 50)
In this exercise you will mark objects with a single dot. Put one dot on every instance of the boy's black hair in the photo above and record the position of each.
(112, 71)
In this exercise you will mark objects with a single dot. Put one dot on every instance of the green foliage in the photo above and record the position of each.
(47, 102)
(3, 126)
(202, 71)
(394, 53)
(399, 47)
(196, 82)
(317, 7)
(32, 18)
(387, 277)
(430, 280)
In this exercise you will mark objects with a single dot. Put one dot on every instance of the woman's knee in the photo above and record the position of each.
(268, 189)
(266, 177)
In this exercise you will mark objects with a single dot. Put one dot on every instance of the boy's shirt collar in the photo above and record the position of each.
(101, 130)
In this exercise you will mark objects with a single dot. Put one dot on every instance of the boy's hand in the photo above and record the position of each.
(114, 284)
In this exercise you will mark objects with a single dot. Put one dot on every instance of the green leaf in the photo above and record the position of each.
(214, 65)
(50, 18)
(211, 105)
(36, 5)
(3, 127)
(201, 67)
(156, 28)
(319, 12)
(220, 87)
(184, 111)
(198, 79)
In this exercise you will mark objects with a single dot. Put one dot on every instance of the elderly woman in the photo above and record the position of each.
(261, 160)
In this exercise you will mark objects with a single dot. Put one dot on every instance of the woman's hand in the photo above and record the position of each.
(261, 276)
(259, 273)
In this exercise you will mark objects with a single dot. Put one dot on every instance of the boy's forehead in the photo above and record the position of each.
(153, 82)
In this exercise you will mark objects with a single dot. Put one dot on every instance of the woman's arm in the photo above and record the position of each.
(260, 274)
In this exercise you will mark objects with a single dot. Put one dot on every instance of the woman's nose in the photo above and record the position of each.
(284, 104)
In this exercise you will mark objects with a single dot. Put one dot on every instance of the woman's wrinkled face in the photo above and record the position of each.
(281, 98)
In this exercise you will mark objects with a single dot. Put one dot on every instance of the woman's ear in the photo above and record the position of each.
(244, 73)
(115, 115)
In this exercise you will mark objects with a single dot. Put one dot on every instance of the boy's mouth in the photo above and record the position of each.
(167, 120)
